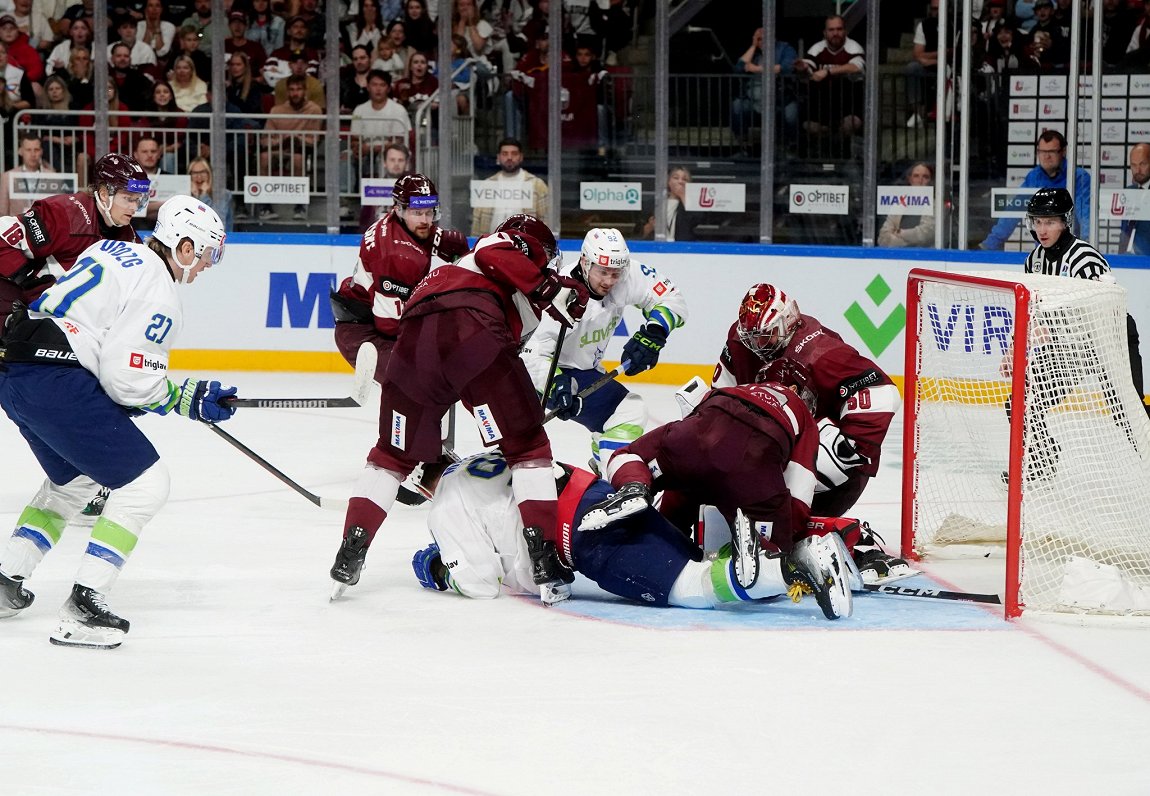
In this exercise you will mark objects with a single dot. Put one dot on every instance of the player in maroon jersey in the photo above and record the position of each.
(855, 403)
(42, 243)
(397, 252)
(459, 338)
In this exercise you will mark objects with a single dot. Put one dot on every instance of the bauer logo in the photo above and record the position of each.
(140, 361)
(488, 428)
(831, 200)
(610, 195)
(906, 200)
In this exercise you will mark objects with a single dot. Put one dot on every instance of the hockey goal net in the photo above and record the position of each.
(1024, 431)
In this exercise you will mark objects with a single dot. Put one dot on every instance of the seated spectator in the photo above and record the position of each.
(365, 30)
(140, 53)
(833, 68)
(167, 127)
(613, 25)
(898, 230)
(747, 108)
(245, 94)
(396, 162)
(155, 31)
(265, 28)
(31, 155)
(418, 85)
(200, 174)
(288, 142)
(920, 70)
(147, 154)
(1024, 16)
(476, 31)
(529, 92)
(188, 46)
(993, 15)
(1046, 45)
(119, 127)
(316, 22)
(376, 123)
(462, 76)
(300, 65)
(353, 79)
(239, 41)
(79, 34)
(190, 90)
(518, 42)
(678, 223)
(1118, 23)
(201, 22)
(1001, 54)
(59, 137)
(484, 220)
(419, 28)
(20, 52)
(278, 64)
(584, 120)
(18, 94)
(79, 76)
(32, 23)
(134, 89)
(388, 60)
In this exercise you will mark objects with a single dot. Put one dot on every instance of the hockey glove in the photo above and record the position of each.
(641, 352)
(564, 399)
(429, 569)
(203, 400)
(561, 297)
(836, 458)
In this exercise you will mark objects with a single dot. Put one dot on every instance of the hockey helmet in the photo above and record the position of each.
(121, 173)
(606, 248)
(185, 217)
(416, 192)
(536, 235)
(768, 319)
(1050, 203)
(790, 373)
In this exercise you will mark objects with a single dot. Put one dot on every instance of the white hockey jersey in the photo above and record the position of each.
(583, 347)
(119, 309)
(476, 523)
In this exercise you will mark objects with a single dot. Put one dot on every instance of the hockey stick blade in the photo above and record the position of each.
(933, 594)
(592, 387)
(323, 502)
(365, 361)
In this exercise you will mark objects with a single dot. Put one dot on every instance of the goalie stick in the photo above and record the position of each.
(933, 594)
(323, 502)
(365, 361)
(592, 387)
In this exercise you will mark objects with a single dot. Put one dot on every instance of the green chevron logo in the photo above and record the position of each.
(876, 336)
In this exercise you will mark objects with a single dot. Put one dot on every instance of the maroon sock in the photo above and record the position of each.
(365, 514)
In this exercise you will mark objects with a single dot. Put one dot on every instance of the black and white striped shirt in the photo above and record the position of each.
(1078, 260)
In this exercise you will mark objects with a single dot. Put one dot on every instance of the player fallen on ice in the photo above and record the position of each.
(101, 335)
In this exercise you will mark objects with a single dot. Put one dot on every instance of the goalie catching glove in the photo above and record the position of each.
(641, 352)
(561, 297)
(198, 400)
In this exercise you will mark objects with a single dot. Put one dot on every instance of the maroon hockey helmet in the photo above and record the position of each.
(790, 373)
(768, 319)
(528, 226)
(120, 173)
(416, 192)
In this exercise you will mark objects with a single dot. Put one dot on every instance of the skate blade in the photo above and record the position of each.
(337, 590)
(598, 518)
(554, 592)
(75, 634)
(870, 577)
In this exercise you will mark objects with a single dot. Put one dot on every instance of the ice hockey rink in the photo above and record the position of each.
(240, 677)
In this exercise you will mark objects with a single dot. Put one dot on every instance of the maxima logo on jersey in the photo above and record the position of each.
(488, 428)
(139, 361)
(277, 190)
(906, 200)
(832, 200)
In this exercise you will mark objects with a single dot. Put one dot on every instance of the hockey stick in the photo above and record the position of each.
(322, 502)
(365, 361)
(554, 364)
(934, 594)
(592, 387)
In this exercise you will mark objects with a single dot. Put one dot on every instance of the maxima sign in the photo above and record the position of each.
(906, 200)
(610, 195)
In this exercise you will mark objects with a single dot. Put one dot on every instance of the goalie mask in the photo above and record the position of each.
(768, 319)
(533, 235)
(792, 374)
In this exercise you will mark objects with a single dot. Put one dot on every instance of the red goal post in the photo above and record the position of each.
(1023, 433)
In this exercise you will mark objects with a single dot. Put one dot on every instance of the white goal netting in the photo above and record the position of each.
(1084, 465)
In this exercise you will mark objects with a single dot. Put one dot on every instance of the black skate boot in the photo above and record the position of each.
(631, 499)
(349, 561)
(85, 621)
(546, 566)
(874, 564)
(14, 598)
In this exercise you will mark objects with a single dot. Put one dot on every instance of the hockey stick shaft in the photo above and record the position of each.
(365, 361)
(322, 502)
(933, 594)
(554, 364)
(602, 381)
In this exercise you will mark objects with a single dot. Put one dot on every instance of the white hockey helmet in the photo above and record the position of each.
(606, 248)
(185, 217)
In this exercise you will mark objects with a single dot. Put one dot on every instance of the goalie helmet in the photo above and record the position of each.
(537, 236)
(768, 319)
(790, 373)
(415, 192)
(606, 248)
(184, 217)
(1049, 203)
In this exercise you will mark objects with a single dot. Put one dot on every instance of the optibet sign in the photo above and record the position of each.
(831, 200)
(277, 190)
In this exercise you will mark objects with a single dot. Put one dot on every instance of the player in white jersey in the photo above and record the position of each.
(480, 550)
(614, 415)
(101, 336)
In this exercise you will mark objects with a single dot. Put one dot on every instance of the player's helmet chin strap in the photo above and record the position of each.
(106, 209)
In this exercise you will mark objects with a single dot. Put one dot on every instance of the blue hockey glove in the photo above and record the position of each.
(641, 352)
(564, 398)
(201, 400)
(429, 569)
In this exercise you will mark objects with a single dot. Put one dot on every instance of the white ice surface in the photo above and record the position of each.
(239, 677)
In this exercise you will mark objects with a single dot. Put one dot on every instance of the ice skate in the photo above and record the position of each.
(874, 564)
(85, 621)
(14, 598)
(745, 551)
(631, 499)
(824, 560)
(349, 561)
(547, 569)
